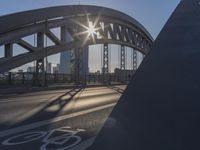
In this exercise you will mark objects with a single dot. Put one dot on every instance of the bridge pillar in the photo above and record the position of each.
(81, 64)
(65, 56)
(105, 59)
(40, 70)
(9, 50)
(105, 69)
(122, 58)
(84, 53)
(77, 65)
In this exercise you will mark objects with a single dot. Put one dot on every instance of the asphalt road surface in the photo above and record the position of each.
(55, 120)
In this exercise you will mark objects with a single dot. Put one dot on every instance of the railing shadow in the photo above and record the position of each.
(57, 105)
(117, 89)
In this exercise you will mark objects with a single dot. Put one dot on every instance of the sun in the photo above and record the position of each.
(91, 30)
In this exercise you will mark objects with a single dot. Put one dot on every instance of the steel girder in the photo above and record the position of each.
(40, 62)
(113, 26)
(105, 59)
(135, 60)
(123, 58)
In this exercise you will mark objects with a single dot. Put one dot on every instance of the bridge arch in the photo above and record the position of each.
(112, 27)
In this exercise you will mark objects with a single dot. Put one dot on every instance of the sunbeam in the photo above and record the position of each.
(90, 29)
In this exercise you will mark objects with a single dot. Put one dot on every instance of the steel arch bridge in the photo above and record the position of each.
(110, 27)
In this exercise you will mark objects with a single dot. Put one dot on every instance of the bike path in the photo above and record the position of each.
(71, 133)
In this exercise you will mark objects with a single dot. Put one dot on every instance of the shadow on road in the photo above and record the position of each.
(117, 89)
(71, 102)
(62, 105)
(53, 108)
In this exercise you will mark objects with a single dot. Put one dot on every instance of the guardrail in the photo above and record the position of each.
(28, 78)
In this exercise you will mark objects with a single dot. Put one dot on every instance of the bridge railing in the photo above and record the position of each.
(29, 79)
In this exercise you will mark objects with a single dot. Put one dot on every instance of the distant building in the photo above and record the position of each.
(49, 67)
(31, 69)
(56, 69)
(67, 61)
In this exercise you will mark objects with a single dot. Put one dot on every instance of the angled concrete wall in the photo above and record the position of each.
(160, 110)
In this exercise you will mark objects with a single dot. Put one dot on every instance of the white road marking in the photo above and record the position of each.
(50, 121)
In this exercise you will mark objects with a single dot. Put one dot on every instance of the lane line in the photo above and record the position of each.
(50, 121)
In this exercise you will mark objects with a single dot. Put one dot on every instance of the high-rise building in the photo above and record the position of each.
(49, 67)
(65, 62)
(56, 69)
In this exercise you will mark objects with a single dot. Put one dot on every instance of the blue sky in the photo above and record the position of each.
(152, 14)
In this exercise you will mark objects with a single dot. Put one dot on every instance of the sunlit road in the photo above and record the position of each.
(55, 120)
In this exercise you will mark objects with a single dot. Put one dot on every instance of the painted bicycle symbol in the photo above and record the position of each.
(57, 139)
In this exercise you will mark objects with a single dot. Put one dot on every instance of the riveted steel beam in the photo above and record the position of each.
(134, 60)
(122, 58)
(105, 59)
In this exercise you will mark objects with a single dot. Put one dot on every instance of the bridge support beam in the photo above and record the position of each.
(84, 53)
(81, 65)
(122, 58)
(134, 60)
(77, 65)
(40, 70)
(105, 59)
(9, 50)
(105, 70)
(65, 57)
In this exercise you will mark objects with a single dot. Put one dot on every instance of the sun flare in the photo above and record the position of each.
(91, 29)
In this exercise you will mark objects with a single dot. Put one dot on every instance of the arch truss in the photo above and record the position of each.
(85, 25)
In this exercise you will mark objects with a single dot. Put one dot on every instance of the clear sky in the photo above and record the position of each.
(152, 14)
